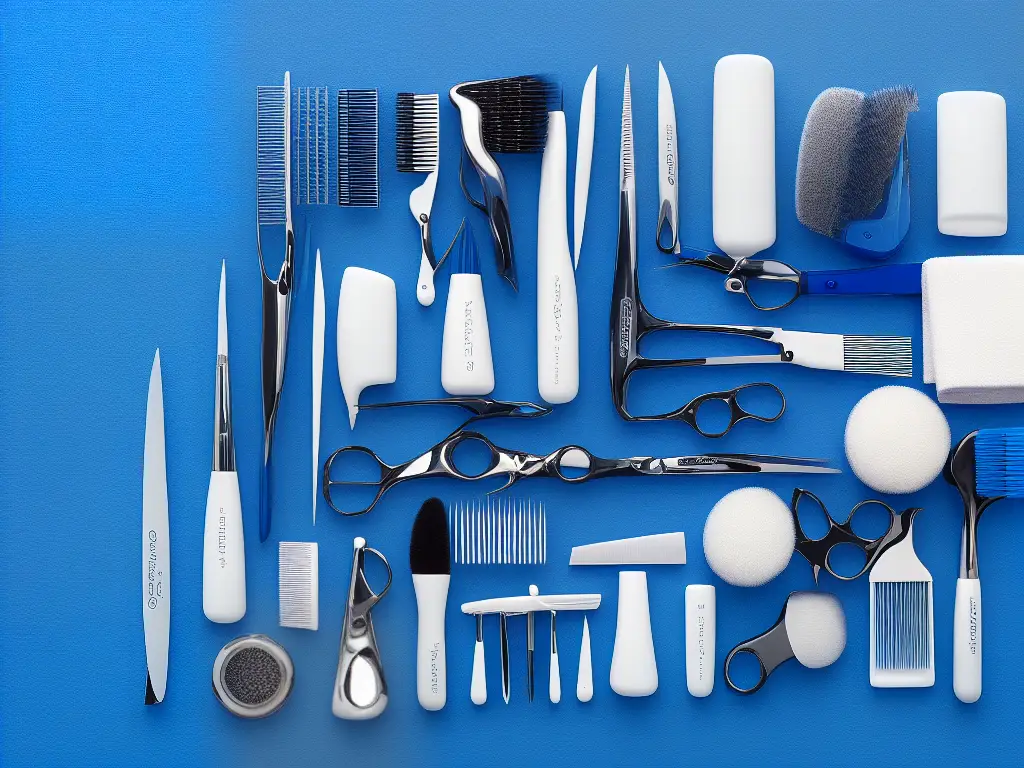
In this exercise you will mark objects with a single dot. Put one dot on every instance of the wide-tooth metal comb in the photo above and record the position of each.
(499, 531)
(311, 178)
(417, 118)
(358, 184)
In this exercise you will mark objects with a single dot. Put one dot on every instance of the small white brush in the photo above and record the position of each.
(299, 584)
(902, 641)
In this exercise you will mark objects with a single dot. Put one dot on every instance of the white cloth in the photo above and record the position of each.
(973, 328)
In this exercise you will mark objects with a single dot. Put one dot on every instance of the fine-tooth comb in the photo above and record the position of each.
(357, 148)
(499, 531)
(311, 179)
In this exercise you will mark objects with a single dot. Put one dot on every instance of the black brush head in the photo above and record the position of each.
(515, 111)
(429, 547)
(416, 132)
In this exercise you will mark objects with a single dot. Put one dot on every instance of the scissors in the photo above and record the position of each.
(479, 407)
(818, 552)
(690, 413)
(570, 463)
(770, 284)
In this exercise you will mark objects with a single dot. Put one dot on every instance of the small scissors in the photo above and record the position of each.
(689, 413)
(818, 552)
(478, 407)
(439, 461)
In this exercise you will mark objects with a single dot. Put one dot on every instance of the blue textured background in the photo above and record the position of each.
(127, 144)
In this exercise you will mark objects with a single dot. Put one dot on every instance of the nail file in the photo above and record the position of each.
(584, 157)
(585, 678)
(156, 551)
(319, 323)
(658, 549)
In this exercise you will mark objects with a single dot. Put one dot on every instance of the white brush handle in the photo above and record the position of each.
(585, 677)
(223, 551)
(554, 680)
(425, 281)
(558, 347)
(466, 365)
(478, 688)
(431, 670)
(967, 641)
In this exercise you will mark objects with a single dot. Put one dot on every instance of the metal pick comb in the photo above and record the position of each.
(498, 531)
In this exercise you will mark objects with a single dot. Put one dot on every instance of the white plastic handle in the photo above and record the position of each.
(431, 668)
(425, 282)
(554, 681)
(967, 641)
(478, 688)
(223, 551)
(634, 668)
(585, 678)
(558, 335)
(466, 365)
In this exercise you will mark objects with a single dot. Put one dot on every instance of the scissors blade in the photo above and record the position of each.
(626, 179)
(712, 464)
(668, 209)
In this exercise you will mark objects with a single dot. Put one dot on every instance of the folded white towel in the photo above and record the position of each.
(973, 324)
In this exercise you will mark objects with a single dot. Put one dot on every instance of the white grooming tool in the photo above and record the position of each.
(298, 578)
(634, 668)
(749, 537)
(319, 323)
(658, 549)
(700, 639)
(897, 440)
(367, 334)
(585, 678)
(584, 158)
(811, 629)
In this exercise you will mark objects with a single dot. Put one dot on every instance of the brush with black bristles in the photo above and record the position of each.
(358, 184)
(853, 173)
(505, 115)
(417, 133)
(431, 566)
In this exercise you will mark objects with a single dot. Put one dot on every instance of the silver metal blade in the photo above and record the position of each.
(503, 639)
(626, 157)
(156, 554)
(668, 158)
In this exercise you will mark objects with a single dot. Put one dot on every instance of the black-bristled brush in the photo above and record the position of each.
(505, 115)
(358, 184)
(431, 566)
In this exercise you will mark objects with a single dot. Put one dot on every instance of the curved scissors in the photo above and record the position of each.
(818, 551)
(438, 461)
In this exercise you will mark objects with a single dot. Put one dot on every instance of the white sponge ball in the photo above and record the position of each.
(897, 440)
(749, 537)
(816, 627)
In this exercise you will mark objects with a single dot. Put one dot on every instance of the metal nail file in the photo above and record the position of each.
(668, 168)
(156, 552)
(658, 549)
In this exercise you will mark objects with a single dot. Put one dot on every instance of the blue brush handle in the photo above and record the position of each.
(887, 279)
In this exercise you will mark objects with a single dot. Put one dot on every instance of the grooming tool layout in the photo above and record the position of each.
(558, 334)
(499, 531)
(902, 638)
(223, 543)
(478, 407)
(584, 161)
(253, 676)
(466, 364)
(630, 321)
(668, 167)
(417, 150)
(853, 171)
(156, 549)
(811, 629)
(771, 285)
(298, 584)
(360, 691)
(319, 326)
(700, 639)
(818, 552)
(657, 549)
(274, 234)
(634, 669)
(514, 606)
(585, 676)
(431, 566)
(367, 334)
(570, 463)
(504, 115)
(357, 148)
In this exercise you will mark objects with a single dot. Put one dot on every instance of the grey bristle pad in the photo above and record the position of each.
(847, 151)
(252, 676)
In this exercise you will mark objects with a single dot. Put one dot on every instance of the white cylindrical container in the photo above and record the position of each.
(634, 669)
(700, 639)
(743, 177)
(466, 366)
(971, 157)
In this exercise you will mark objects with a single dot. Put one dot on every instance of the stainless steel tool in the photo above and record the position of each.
(498, 531)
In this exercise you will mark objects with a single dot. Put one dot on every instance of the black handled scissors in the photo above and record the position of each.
(570, 463)
(818, 552)
(690, 413)
(478, 407)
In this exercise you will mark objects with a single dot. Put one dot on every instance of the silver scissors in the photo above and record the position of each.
(570, 463)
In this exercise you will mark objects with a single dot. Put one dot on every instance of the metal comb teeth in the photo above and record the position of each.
(271, 160)
(903, 625)
(416, 132)
(311, 181)
(882, 355)
(499, 531)
(357, 148)
(627, 130)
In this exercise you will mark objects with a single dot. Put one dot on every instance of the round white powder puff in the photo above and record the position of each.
(816, 627)
(897, 440)
(749, 537)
